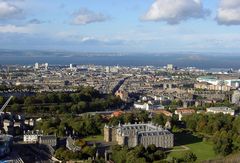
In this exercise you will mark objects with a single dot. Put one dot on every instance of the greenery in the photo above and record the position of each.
(138, 154)
(1, 100)
(202, 149)
(222, 129)
(136, 116)
(66, 155)
(94, 138)
(70, 125)
(85, 99)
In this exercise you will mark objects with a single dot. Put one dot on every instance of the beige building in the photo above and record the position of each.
(184, 112)
(123, 95)
(224, 110)
(207, 86)
(132, 135)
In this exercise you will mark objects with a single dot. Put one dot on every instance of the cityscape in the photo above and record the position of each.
(153, 81)
(88, 112)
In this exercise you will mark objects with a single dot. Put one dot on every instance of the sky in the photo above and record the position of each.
(153, 26)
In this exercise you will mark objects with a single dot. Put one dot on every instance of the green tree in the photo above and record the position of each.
(159, 155)
(223, 144)
(151, 148)
(1, 100)
(159, 119)
(89, 151)
(189, 157)
(119, 154)
(31, 109)
(236, 126)
(128, 118)
(142, 116)
(16, 108)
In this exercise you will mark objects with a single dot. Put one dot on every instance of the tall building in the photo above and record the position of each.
(46, 66)
(107, 69)
(132, 135)
(170, 67)
(236, 97)
(36, 66)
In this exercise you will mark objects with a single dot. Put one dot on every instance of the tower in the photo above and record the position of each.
(46, 66)
(107, 133)
(36, 66)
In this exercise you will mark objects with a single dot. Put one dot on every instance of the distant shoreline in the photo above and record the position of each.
(202, 62)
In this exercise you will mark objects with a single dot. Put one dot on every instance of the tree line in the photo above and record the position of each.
(86, 99)
(223, 130)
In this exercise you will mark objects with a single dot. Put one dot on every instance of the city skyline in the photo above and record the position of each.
(121, 26)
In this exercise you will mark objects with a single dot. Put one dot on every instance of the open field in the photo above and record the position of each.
(94, 138)
(203, 150)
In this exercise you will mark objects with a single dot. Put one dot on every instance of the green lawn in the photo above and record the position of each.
(203, 150)
(94, 138)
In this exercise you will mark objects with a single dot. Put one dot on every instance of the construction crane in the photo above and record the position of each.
(6, 103)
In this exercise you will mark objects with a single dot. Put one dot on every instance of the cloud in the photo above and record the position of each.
(175, 11)
(228, 12)
(85, 16)
(35, 21)
(8, 10)
(15, 29)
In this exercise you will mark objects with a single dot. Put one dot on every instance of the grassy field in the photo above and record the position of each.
(94, 138)
(203, 150)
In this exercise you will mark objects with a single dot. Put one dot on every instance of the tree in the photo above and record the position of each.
(223, 144)
(81, 143)
(189, 157)
(159, 119)
(128, 118)
(53, 98)
(89, 151)
(31, 109)
(142, 116)
(119, 154)
(236, 125)
(135, 154)
(16, 108)
(159, 155)
(151, 148)
(1, 100)
(81, 107)
(29, 101)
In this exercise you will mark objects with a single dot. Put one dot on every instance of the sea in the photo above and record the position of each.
(179, 60)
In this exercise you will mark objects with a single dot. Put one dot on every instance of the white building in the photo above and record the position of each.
(107, 69)
(36, 66)
(169, 66)
(31, 136)
(144, 106)
(46, 66)
(224, 110)
(183, 112)
(215, 81)
(147, 106)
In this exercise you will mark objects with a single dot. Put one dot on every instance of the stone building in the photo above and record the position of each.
(50, 140)
(38, 137)
(236, 97)
(132, 135)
